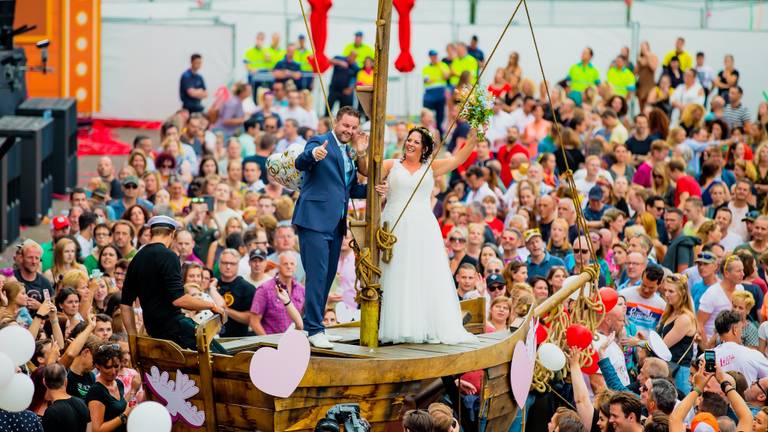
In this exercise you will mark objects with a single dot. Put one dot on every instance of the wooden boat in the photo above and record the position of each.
(384, 381)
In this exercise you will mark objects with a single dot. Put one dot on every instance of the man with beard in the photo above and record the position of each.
(28, 274)
(509, 149)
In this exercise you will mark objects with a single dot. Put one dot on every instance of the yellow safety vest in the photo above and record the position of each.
(255, 58)
(460, 65)
(434, 75)
(363, 51)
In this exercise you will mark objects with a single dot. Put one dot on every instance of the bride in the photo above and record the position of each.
(419, 300)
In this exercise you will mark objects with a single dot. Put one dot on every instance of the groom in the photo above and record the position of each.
(330, 180)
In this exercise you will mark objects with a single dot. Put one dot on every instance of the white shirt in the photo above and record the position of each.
(734, 357)
(731, 240)
(521, 119)
(616, 356)
(86, 246)
(713, 302)
(688, 95)
(478, 195)
(762, 331)
(284, 143)
(737, 226)
(497, 128)
(302, 116)
(223, 216)
(642, 312)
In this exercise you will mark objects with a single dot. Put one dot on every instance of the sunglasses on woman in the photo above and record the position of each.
(457, 239)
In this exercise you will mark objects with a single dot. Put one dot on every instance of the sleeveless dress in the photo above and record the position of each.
(419, 301)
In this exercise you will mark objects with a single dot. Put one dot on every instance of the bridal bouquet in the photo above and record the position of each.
(478, 110)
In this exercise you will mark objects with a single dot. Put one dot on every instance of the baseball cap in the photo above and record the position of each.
(495, 279)
(751, 216)
(302, 37)
(706, 258)
(531, 233)
(99, 192)
(358, 33)
(432, 53)
(60, 222)
(130, 180)
(257, 254)
(596, 193)
(164, 222)
(704, 422)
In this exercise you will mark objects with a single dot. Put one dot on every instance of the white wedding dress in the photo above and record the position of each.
(419, 301)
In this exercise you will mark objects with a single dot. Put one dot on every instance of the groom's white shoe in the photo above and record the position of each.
(319, 340)
(333, 338)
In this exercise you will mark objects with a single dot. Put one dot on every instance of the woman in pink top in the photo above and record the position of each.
(536, 130)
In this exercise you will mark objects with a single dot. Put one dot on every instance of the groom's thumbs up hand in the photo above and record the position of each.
(320, 152)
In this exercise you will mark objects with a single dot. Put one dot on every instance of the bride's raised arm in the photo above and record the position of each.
(444, 166)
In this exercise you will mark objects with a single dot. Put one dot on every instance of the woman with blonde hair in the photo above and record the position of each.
(13, 302)
(64, 259)
(558, 244)
(513, 66)
(78, 280)
(743, 302)
(692, 118)
(661, 185)
(152, 183)
(760, 163)
(648, 223)
(307, 103)
(138, 160)
(284, 208)
(677, 327)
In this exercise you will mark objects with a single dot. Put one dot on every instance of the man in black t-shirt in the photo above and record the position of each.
(154, 277)
(80, 376)
(237, 294)
(27, 273)
(66, 413)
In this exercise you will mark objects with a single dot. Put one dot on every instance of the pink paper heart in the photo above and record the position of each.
(521, 373)
(279, 371)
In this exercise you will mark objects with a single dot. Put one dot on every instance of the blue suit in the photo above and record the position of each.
(320, 217)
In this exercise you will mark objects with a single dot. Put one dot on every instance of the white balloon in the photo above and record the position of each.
(551, 357)
(17, 394)
(7, 369)
(17, 343)
(149, 416)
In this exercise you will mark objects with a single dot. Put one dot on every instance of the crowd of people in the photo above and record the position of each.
(674, 198)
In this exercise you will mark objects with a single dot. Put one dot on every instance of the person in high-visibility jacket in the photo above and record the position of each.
(256, 60)
(363, 50)
(275, 52)
(302, 56)
(463, 62)
(435, 76)
(582, 76)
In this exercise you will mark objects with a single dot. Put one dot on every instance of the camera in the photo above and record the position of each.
(343, 414)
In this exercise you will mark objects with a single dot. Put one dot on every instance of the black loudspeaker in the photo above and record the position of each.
(10, 191)
(13, 83)
(64, 114)
(35, 137)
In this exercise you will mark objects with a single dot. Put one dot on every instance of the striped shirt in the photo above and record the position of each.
(735, 117)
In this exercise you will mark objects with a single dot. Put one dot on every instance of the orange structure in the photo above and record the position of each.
(74, 56)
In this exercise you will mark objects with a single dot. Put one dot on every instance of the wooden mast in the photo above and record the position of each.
(369, 325)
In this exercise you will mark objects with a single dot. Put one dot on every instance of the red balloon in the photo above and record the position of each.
(578, 335)
(541, 334)
(610, 297)
(592, 368)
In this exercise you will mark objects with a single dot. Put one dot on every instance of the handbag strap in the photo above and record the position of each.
(693, 341)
